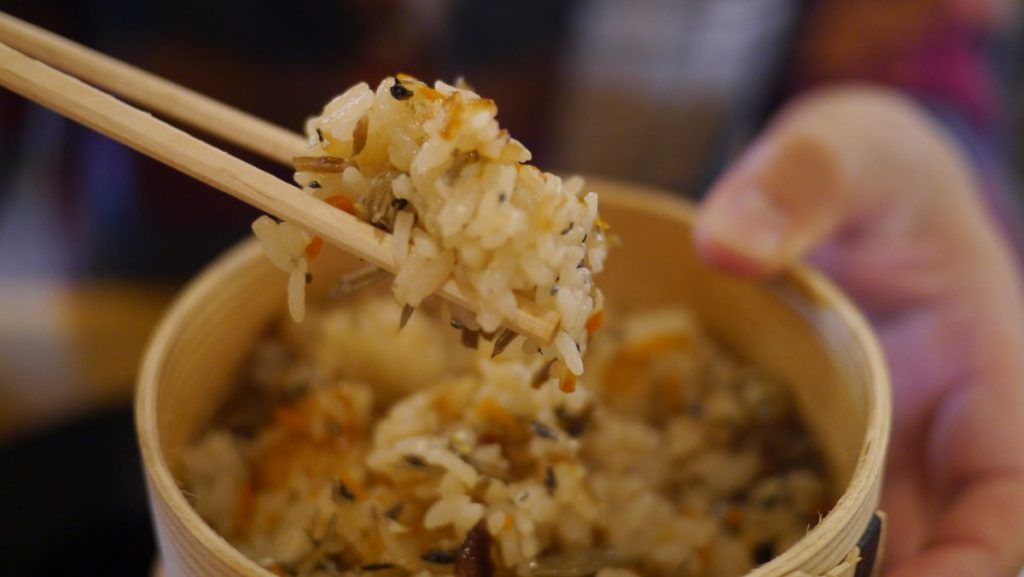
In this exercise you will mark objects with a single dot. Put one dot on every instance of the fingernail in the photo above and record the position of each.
(747, 223)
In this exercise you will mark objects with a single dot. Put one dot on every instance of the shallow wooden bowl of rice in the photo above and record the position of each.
(721, 427)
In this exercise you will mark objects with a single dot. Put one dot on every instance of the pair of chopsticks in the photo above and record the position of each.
(21, 42)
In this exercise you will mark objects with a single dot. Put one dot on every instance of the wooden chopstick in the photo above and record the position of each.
(169, 145)
(152, 92)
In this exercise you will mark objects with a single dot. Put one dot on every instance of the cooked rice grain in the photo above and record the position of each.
(433, 167)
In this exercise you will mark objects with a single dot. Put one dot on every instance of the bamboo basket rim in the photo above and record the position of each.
(842, 518)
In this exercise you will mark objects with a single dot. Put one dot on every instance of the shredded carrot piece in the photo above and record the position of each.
(342, 202)
(595, 321)
(625, 370)
(313, 248)
(295, 420)
(568, 383)
(507, 523)
(734, 516)
(491, 410)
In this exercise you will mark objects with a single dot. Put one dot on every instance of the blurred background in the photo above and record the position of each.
(95, 240)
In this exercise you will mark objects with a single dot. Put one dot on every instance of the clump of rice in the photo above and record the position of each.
(432, 166)
(671, 458)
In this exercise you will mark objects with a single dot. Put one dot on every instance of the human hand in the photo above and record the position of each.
(868, 188)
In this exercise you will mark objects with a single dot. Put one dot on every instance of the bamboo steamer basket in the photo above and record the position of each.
(798, 327)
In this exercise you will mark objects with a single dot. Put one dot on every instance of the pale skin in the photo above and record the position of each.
(869, 188)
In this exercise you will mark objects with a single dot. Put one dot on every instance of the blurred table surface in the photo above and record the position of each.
(68, 350)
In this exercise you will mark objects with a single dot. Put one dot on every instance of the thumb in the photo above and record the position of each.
(828, 162)
(782, 198)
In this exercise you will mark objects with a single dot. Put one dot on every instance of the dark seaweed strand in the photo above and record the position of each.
(314, 184)
(543, 374)
(380, 225)
(550, 480)
(566, 230)
(309, 277)
(502, 197)
(399, 91)
(399, 203)
(502, 342)
(543, 430)
(474, 556)
(341, 491)
(574, 425)
(377, 566)
(439, 556)
(319, 135)
(394, 511)
(415, 460)
(764, 552)
(470, 339)
(407, 311)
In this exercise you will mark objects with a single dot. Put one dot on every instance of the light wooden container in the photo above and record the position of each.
(798, 327)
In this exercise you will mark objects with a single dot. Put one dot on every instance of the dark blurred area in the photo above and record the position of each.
(95, 239)
(74, 501)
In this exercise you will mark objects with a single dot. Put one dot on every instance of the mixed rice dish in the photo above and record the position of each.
(432, 166)
(368, 439)
(350, 449)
